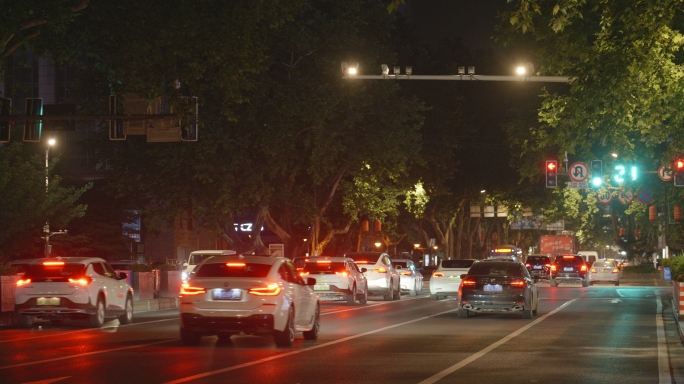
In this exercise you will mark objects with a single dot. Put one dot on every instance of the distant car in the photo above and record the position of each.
(197, 257)
(604, 271)
(62, 288)
(337, 278)
(410, 278)
(539, 266)
(498, 286)
(261, 295)
(446, 278)
(569, 268)
(383, 279)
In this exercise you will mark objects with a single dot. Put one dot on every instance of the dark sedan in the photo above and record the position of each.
(497, 286)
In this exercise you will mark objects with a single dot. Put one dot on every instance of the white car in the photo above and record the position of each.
(604, 271)
(446, 278)
(382, 278)
(337, 278)
(410, 279)
(260, 295)
(62, 288)
(197, 257)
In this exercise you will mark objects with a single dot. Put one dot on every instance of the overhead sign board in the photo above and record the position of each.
(578, 171)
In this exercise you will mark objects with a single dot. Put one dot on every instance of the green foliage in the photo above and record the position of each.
(643, 269)
(676, 265)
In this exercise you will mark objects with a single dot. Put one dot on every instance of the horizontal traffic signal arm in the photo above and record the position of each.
(19, 119)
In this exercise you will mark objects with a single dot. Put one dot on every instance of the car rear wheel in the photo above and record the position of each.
(527, 314)
(390, 293)
(591, 283)
(25, 321)
(285, 338)
(553, 283)
(585, 283)
(351, 296)
(463, 313)
(127, 316)
(434, 297)
(97, 319)
(189, 337)
(363, 298)
(617, 283)
(312, 334)
(397, 294)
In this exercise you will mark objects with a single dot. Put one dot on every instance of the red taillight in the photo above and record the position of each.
(303, 273)
(527, 265)
(616, 270)
(81, 281)
(53, 263)
(468, 282)
(323, 261)
(343, 273)
(380, 270)
(187, 290)
(519, 283)
(593, 270)
(583, 268)
(547, 265)
(406, 273)
(269, 290)
(235, 264)
(553, 267)
(437, 274)
(361, 262)
(21, 282)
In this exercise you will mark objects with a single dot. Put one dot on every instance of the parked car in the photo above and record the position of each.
(63, 288)
(197, 257)
(569, 268)
(337, 278)
(604, 271)
(383, 279)
(498, 286)
(539, 266)
(261, 295)
(446, 279)
(410, 278)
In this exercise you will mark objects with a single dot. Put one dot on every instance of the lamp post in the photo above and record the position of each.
(46, 228)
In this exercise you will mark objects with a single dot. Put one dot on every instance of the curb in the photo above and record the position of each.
(155, 304)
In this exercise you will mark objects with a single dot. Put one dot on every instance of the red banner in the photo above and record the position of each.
(556, 244)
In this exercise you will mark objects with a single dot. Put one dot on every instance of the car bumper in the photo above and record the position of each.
(407, 283)
(335, 293)
(66, 308)
(491, 303)
(234, 324)
(440, 286)
(611, 277)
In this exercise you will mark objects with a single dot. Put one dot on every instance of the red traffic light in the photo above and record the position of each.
(679, 164)
(551, 165)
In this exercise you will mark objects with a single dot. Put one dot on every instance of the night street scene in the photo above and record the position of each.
(341, 191)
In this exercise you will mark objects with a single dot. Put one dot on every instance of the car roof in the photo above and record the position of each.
(257, 259)
(331, 258)
(214, 252)
(68, 260)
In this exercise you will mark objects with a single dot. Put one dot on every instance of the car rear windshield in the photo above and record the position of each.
(54, 273)
(457, 263)
(324, 267)
(198, 259)
(604, 264)
(364, 259)
(402, 264)
(536, 260)
(235, 270)
(569, 260)
(495, 269)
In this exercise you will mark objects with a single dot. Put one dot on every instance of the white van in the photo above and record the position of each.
(197, 257)
(588, 256)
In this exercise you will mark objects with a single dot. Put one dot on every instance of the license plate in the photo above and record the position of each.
(227, 294)
(537, 267)
(454, 277)
(321, 287)
(493, 288)
(567, 269)
(331, 297)
(48, 301)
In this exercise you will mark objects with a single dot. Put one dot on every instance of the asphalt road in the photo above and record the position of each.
(599, 334)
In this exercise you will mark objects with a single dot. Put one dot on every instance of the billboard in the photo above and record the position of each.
(556, 244)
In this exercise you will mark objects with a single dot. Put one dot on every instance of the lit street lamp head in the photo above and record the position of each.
(51, 142)
(520, 70)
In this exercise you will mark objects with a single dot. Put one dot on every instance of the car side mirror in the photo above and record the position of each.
(463, 276)
(364, 270)
(122, 275)
(310, 281)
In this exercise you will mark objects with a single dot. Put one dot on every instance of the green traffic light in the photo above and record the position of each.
(596, 181)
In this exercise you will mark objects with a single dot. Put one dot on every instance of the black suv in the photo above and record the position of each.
(539, 266)
(567, 268)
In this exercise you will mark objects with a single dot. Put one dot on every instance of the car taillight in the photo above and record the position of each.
(468, 282)
(343, 273)
(583, 268)
(553, 267)
(21, 282)
(53, 263)
(547, 265)
(527, 265)
(437, 274)
(303, 274)
(188, 290)
(616, 270)
(81, 281)
(235, 264)
(380, 270)
(518, 283)
(269, 290)
(593, 270)
(323, 261)
(406, 273)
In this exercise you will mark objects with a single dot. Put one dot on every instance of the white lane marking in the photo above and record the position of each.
(615, 301)
(663, 359)
(255, 362)
(84, 330)
(85, 354)
(48, 381)
(370, 306)
(463, 363)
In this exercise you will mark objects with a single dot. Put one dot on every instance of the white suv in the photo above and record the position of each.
(382, 278)
(197, 257)
(72, 288)
(337, 278)
(410, 279)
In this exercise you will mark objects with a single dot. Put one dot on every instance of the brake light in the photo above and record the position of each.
(188, 290)
(553, 267)
(406, 273)
(381, 270)
(437, 274)
(568, 257)
(303, 274)
(527, 265)
(236, 264)
(269, 290)
(53, 263)
(518, 283)
(343, 273)
(361, 262)
(21, 282)
(468, 282)
(323, 261)
(81, 281)
(616, 270)
(583, 268)
(547, 265)
(593, 270)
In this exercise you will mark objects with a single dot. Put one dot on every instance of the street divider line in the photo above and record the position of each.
(342, 340)
(84, 354)
(463, 363)
(663, 359)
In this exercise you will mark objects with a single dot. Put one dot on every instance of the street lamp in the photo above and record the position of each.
(46, 228)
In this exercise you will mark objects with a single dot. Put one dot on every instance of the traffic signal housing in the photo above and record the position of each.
(679, 172)
(596, 173)
(33, 129)
(551, 173)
